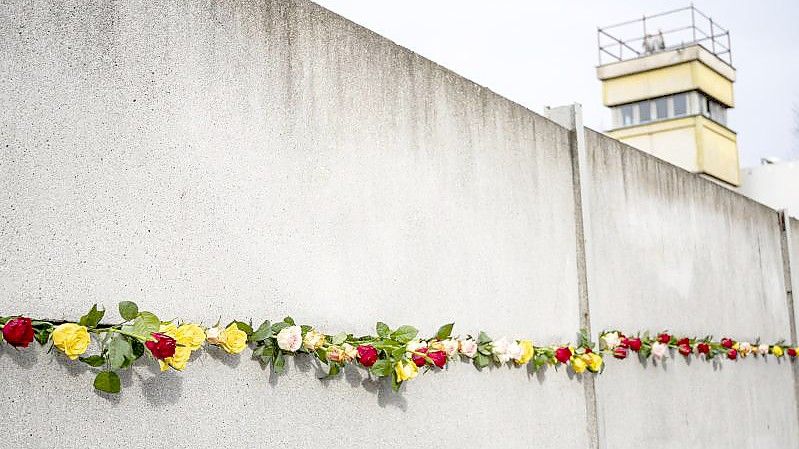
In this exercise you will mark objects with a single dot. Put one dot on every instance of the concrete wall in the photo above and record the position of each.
(669, 250)
(259, 159)
(256, 159)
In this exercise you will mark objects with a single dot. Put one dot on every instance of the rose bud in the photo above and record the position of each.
(588, 350)
(419, 359)
(439, 358)
(732, 354)
(683, 341)
(620, 352)
(727, 343)
(791, 352)
(634, 343)
(18, 332)
(664, 338)
(563, 354)
(163, 346)
(703, 348)
(624, 342)
(367, 355)
(685, 349)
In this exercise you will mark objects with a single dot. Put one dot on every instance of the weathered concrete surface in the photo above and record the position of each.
(258, 159)
(793, 254)
(221, 404)
(670, 250)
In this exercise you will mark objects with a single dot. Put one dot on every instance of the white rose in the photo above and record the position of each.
(468, 347)
(500, 349)
(612, 340)
(659, 350)
(450, 347)
(762, 349)
(212, 335)
(744, 348)
(514, 350)
(290, 338)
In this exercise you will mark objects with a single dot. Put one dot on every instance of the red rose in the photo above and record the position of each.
(367, 355)
(620, 352)
(683, 341)
(732, 354)
(703, 348)
(588, 350)
(791, 352)
(634, 343)
(685, 349)
(727, 343)
(664, 338)
(625, 342)
(18, 332)
(563, 354)
(162, 347)
(439, 358)
(419, 359)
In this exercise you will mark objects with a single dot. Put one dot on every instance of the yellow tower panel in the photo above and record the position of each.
(682, 77)
(718, 151)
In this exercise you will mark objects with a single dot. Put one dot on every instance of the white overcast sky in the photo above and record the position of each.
(541, 53)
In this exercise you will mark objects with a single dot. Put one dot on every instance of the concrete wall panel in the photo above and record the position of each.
(257, 159)
(669, 250)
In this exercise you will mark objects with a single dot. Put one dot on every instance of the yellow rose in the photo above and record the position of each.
(405, 370)
(233, 340)
(313, 340)
(72, 339)
(177, 361)
(594, 362)
(190, 335)
(578, 364)
(168, 329)
(527, 352)
(777, 350)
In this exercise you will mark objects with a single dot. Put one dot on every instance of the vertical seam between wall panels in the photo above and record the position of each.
(579, 159)
(787, 266)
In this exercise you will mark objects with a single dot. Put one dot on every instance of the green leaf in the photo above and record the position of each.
(444, 331)
(93, 360)
(107, 381)
(137, 349)
(404, 334)
(335, 368)
(128, 310)
(381, 368)
(42, 331)
(92, 318)
(339, 338)
(279, 326)
(119, 351)
(383, 331)
(264, 331)
(242, 327)
(483, 338)
(289, 320)
(279, 363)
(481, 361)
(398, 353)
(143, 326)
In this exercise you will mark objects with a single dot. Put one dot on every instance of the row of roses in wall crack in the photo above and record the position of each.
(396, 353)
